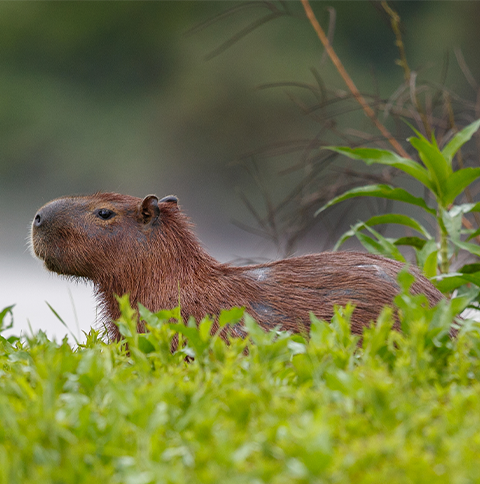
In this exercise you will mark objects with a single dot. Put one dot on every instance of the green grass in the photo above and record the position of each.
(395, 407)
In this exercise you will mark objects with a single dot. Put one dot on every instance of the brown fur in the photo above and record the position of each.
(147, 249)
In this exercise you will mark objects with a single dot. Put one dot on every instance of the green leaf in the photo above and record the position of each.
(169, 314)
(457, 182)
(391, 218)
(469, 268)
(230, 316)
(472, 248)
(450, 282)
(144, 345)
(383, 157)
(466, 208)
(376, 336)
(370, 244)
(204, 329)
(452, 221)
(473, 235)
(3, 313)
(459, 140)
(345, 236)
(193, 336)
(396, 218)
(458, 304)
(436, 164)
(63, 322)
(429, 267)
(381, 191)
(388, 248)
(427, 258)
(381, 247)
(416, 242)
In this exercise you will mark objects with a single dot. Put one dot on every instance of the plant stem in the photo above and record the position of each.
(444, 263)
(348, 80)
(395, 23)
(402, 62)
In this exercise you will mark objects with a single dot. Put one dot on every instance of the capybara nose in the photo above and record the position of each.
(45, 215)
(42, 217)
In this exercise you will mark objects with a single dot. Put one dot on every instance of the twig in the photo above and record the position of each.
(395, 24)
(410, 78)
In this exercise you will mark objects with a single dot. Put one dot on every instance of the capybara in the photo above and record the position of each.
(147, 248)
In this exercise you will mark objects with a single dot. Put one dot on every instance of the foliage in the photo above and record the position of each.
(397, 406)
(443, 185)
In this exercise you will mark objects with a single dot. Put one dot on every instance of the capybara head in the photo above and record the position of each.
(87, 236)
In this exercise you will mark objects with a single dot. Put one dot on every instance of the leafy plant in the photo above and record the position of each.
(329, 408)
(443, 185)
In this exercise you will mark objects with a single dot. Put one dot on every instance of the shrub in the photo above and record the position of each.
(290, 409)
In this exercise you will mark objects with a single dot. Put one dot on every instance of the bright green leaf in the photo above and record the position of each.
(381, 247)
(230, 316)
(389, 158)
(349, 233)
(427, 258)
(3, 313)
(381, 191)
(395, 218)
(144, 345)
(391, 218)
(438, 168)
(450, 282)
(457, 182)
(388, 248)
(459, 140)
(430, 265)
(370, 244)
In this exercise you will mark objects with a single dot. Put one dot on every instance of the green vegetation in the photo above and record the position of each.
(443, 185)
(398, 406)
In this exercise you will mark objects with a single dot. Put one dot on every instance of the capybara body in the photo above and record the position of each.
(146, 248)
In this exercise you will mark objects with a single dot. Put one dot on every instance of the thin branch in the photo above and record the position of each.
(416, 104)
(275, 12)
(465, 69)
(395, 24)
(330, 33)
(227, 13)
(240, 35)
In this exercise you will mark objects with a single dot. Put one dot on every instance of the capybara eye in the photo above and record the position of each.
(105, 213)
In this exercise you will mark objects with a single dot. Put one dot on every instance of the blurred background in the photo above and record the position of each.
(224, 104)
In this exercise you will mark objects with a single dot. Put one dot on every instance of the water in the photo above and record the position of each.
(25, 283)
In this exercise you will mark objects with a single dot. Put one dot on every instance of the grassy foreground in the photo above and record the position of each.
(397, 408)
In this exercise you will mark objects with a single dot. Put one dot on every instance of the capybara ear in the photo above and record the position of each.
(169, 199)
(149, 210)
